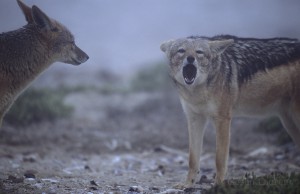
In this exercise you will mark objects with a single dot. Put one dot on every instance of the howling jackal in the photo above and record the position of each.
(225, 76)
(26, 52)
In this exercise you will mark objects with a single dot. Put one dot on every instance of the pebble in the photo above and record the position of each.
(172, 191)
(50, 180)
(93, 183)
(137, 189)
(30, 158)
(280, 157)
(14, 179)
(38, 185)
(29, 174)
(93, 188)
(205, 179)
(259, 151)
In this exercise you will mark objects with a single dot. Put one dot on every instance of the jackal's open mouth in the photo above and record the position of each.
(189, 73)
(75, 61)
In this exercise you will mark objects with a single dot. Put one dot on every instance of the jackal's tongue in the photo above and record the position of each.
(189, 73)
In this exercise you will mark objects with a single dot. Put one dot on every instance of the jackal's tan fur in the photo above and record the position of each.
(225, 76)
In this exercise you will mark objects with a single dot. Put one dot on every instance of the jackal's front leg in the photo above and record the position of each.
(196, 125)
(222, 146)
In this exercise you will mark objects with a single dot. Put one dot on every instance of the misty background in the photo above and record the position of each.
(115, 120)
(122, 37)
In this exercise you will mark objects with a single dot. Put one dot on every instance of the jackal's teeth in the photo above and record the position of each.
(188, 81)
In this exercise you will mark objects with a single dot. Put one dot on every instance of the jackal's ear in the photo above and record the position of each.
(26, 11)
(220, 46)
(41, 19)
(165, 46)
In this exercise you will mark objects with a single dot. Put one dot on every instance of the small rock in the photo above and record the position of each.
(93, 188)
(93, 183)
(30, 174)
(259, 151)
(192, 190)
(244, 168)
(161, 170)
(280, 157)
(113, 145)
(14, 179)
(137, 189)
(52, 191)
(38, 185)
(180, 160)
(127, 145)
(173, 191)
(158, 149)
(207, 170)
(86, 167)
(154, 188)
(29, 180)
(204, 180)
(53, 181)
(30, 158)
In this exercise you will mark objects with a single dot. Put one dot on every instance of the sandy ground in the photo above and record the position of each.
(126, 143)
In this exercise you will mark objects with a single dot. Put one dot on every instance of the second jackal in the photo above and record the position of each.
(28, 51)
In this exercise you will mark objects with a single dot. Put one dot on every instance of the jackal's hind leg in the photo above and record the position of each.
(291, 122)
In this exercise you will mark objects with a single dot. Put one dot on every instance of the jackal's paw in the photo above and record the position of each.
(182, 186)
(219, 180)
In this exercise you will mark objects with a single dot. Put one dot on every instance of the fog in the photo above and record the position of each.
(123, 36)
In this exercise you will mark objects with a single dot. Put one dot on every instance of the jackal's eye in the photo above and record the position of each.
(71, 42)
(199, 52)
(55, 29)
(181, 50)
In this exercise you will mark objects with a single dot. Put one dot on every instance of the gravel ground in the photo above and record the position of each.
(127, 143)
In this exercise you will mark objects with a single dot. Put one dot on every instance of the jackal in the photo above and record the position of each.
(225, 76)
(26, 52)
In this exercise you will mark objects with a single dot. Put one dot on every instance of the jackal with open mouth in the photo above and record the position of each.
(221, 77)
